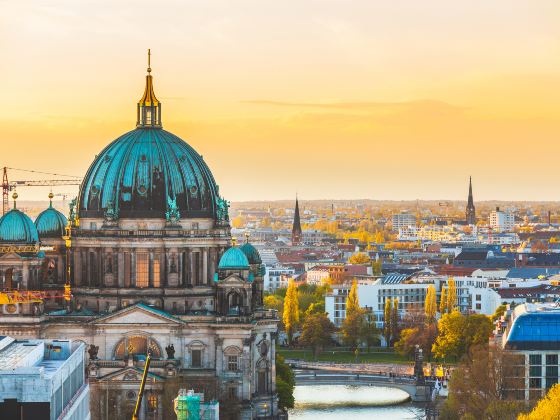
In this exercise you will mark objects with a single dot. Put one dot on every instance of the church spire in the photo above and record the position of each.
(470, 211)
(148, 112)
(296, 228)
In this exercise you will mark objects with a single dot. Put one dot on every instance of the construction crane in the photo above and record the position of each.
(7, 185)
(142, 386)
(11, 297)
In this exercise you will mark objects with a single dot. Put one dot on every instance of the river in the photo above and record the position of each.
(348, 402)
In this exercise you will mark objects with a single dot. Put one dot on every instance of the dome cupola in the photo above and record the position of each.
(50, 222)
(17, 227)
(150, 173)
(233, 259)
(251, 253)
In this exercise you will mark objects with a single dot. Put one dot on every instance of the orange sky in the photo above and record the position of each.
(333, 99)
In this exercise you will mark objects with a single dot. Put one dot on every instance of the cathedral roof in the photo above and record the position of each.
(149, 173)
(233, 259)
(51, 223)
(251, 253)
(17, 227)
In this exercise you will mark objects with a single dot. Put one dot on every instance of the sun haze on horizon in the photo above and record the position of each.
(334, 99)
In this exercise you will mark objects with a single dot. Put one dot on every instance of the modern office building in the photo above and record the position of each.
(502, 221)
(403, 220)
(43, 379)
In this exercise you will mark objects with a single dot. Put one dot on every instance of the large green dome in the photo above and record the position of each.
(251, 253)
(17, 227)
(139, 174)
(51, 223)
(233, 259)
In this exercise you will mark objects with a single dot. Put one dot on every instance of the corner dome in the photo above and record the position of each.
(51, 223)
(139, 174)
(17, 227)
(233, 259)
(251, 253)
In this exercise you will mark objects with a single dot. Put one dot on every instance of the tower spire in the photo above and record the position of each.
(296, 228)
(470, 212)
(148, 114)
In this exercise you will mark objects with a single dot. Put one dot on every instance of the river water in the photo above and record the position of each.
(329, 402)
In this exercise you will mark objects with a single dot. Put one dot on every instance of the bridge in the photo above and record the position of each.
(417, 392)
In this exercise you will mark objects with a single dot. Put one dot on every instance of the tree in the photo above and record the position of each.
(353, 325)
(370, 333)
(387, 321)
(424, 336)
(458, 333)
(451, 295)
(285, 384)
(480, 387)
(500, 311)
(547, 408)
(430, 306)
(290, 316)
(358, 258)
(395, 320)
(443, 301)
(317, 330)
(377, 267)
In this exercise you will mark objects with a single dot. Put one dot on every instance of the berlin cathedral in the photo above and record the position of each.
(147, 253)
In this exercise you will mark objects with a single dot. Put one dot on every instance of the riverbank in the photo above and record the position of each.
(338, 356)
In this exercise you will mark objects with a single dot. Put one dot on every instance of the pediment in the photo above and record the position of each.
(138, 314)
(233, 279)
(129, 374)
(10, 256)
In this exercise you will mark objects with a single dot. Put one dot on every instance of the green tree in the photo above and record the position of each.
(317, 330)
(377, 267)
(458, 333)
(370, 333)
(290, 317)
(395, 320)
(430, 306)
(500, 311)
(387, 321)
(451, 295)
(443, 301)
(285, 384)
(353, 324)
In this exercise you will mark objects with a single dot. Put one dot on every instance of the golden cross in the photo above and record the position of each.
(149, 54)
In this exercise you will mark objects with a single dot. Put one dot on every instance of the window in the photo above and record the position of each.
(233, 363)
(552, 371)
(152, 403)
(535, 359)
(478, 306)
(551, 359)
(262, 382)
(478, 297)
(232, 393)
(535, 371)
(550, 382)
(142, 269)
(157, 281)
(535, 383)
(196, 358)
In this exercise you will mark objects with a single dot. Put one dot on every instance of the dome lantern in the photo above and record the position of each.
(148, 113)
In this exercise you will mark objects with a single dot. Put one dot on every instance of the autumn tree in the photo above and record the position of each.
(395, 319)
(423, 336)
(480, 387)
(458, 333)
(317, 330)
(290, 317)
(353, 324)
(376, 267)
(430, 306)
(387, 321)
(451, 295)
(547, 408)
(443, 301)
(359, 258)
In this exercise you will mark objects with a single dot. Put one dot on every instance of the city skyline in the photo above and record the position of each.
(345, 104)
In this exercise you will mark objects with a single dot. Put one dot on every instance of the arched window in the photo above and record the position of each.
(136, 345)
(263, 373)
(232, 355)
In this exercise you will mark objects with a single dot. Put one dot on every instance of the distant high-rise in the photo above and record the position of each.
(296, 229)
(470, 212)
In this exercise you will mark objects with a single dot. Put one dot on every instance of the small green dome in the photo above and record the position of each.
(233, 259)
(252, 254)
(51, 223)
(17, 227)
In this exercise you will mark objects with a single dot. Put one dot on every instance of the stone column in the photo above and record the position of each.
(205, 279)
(192, 274)
(120, 268)
(77, 267)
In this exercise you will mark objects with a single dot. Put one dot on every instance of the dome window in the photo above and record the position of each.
(142, 190)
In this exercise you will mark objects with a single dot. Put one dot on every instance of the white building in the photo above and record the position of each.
(277, 278)
(402, 220)
(318, 275)
(502, 221)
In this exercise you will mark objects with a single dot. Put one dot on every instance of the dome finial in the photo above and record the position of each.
(234, 242)
(148, 112)
(51, 196)
(247, 234)
(15, 196)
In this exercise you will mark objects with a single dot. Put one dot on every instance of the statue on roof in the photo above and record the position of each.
(111, 213)
(222, 211)
(172, 214)
(72, 211)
